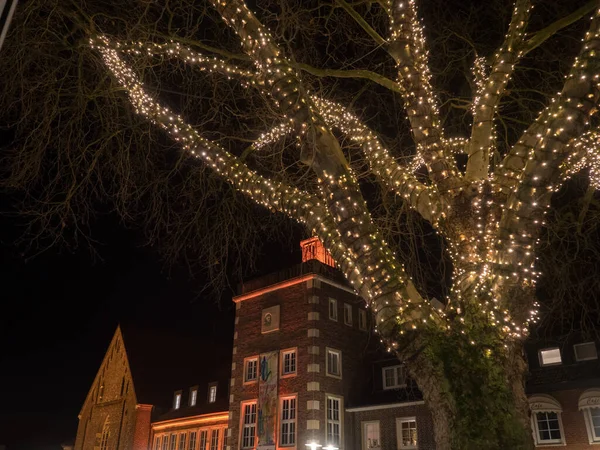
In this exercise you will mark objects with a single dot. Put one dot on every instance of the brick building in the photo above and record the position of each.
(307, 372)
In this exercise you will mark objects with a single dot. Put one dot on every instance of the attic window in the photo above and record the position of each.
(177, 400)
(193, 396)
(585, 351)
(550, 357)
(212, 392)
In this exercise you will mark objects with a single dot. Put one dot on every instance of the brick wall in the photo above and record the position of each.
(387, 426)
(305, 325)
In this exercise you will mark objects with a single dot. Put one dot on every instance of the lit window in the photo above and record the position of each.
(193, 396)
(288, 422)
(192, 441)
(586, 351)
(333, 315)
(288, 362)
(105, 435)
(348, 314)
(334, 363)
(177, 400)
(212, 393)
(251, 369)
(393, 377)
(550, 356)
(214, 439)
(371, 437)
(182, 441)
(334, 421)
(203, 439)
(248, 424)
(362, 319)
(406, 430)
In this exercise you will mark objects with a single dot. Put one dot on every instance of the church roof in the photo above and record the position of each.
(163, 361)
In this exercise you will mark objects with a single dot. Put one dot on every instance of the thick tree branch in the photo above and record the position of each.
(377, 276)
(362, 22)
(584, 153)
(488, 96)
(407, 47)
(547, 145)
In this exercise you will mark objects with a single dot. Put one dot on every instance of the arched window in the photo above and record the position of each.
(105, 435)
(589, 404)
(546, 420)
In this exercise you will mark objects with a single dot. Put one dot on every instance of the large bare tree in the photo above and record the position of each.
(338, 164)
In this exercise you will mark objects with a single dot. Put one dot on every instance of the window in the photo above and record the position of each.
(548, 429)
(193, 396)
(177, 400)
(214, 439)
(251, 369)
(362, 319)
(393, 377)
(248, 424)
(182, 441)
(287, 435)
(157, 443)
(550, 356)
(334, 363)
(212, 392)
(406, 431)
(288, 362)
(173, 445)
(334, 421)
(192, 441)
(105, 435)
(333, 309)
(370, 434)
(592, 416)
(586, 351)
(348, 314)
(203, 439)
(165, 442)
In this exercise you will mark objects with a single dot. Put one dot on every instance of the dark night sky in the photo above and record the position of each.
(58, 312)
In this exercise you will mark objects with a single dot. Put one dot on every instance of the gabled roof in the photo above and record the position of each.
(162, 362)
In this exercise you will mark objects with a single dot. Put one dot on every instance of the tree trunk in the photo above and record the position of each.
(475, 392)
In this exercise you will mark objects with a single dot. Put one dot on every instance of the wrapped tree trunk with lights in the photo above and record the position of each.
(466, 352)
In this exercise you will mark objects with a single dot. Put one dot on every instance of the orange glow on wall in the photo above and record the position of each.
(191, 421)
(313, 249)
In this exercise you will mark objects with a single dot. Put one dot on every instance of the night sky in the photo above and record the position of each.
(58, 313)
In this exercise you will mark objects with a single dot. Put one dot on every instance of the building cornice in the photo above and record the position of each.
(291, 282)
(386, 406)
(190, 420)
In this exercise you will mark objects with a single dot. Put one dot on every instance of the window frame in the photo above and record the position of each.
(398, 384)
(282, 353)
(541, 358)
(173, 441)
(328, 373)
(348, 314)
(182, 441)
(332, 313)
(192, 442)
(362, 319)
(593, 438)
(203, 436)
(283, 421)
(177, 396)
(536, 435)
(217, 431)
(243, 425)
(193, 400)
(165, 441)
(246, 365)
(581, 344)
(399, 422)
(209, 398)
(340, 420)
(363, 426)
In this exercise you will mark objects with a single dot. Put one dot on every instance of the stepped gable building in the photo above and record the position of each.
(135, 383)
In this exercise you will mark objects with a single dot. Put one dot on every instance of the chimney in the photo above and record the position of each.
(313, 249)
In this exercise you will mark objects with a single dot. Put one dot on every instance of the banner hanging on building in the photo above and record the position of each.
(267, 400)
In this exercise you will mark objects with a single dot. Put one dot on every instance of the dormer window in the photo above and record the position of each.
(177, 400)
(212, 392)
(585, 351)
(550, 357)
(193, 396)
